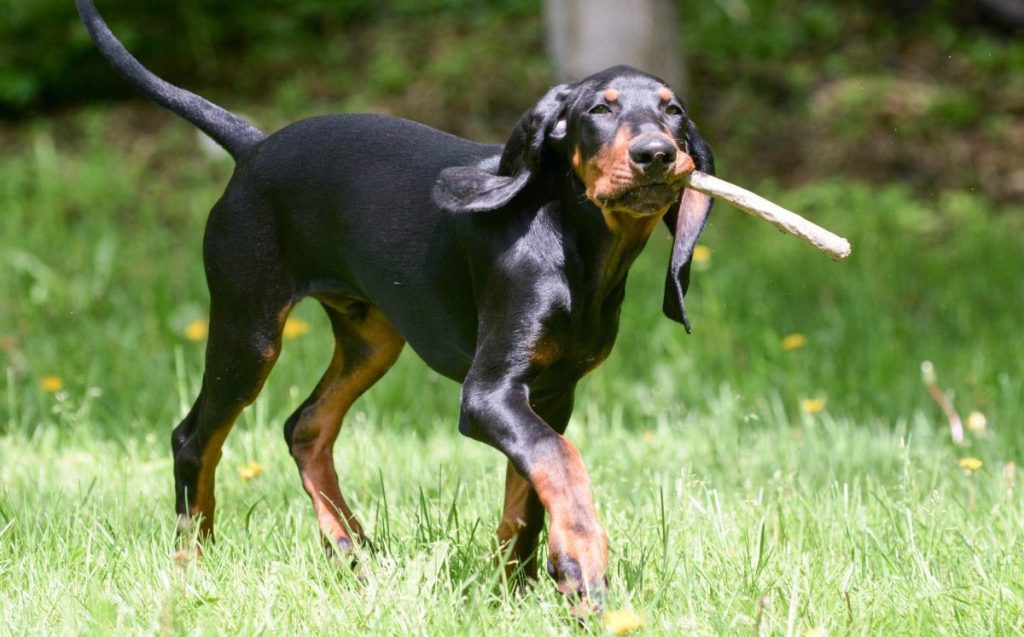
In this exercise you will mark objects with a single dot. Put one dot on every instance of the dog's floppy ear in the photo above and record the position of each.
(686, 225)
(475, 189)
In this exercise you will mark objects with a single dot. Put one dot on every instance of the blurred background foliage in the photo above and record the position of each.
(930, 93)
(897, 124)
(794, 414)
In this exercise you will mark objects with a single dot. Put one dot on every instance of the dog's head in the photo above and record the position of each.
(626, 138)
(627, 142)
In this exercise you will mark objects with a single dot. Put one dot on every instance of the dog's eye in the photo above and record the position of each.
(600, 109)
(674, 110)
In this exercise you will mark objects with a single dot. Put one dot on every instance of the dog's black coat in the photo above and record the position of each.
(499, 265)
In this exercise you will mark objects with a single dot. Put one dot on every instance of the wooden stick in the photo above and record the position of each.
(787, 221)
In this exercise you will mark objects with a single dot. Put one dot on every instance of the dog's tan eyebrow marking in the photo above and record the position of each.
(665, 94)
(611, 94)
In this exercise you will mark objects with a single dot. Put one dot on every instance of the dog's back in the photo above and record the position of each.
(347, 199)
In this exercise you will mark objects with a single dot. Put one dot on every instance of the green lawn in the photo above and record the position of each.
(730, 508)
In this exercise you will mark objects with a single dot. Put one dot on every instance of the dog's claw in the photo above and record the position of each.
(341, 550)
(586, 599)
(344, 553)
(339, 547)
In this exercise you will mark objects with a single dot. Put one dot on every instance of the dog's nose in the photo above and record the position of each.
(653, 151)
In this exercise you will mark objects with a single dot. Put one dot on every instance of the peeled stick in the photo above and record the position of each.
(787, 221)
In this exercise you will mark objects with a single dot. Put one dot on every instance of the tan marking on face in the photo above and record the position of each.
(609, 171)
(577, 161)
(682, 167)
(665, 94)
(611, 95)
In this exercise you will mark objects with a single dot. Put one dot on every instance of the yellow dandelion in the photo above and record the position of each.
(794, 341)
(649, 436)
(970, 464)
(250, 471)
(51, 384)
(812, 405)
(295, 327)
(977, 422)
(623, 621)
(701, 255)
(197, 330)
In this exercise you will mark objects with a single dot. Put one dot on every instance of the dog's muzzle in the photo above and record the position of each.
(659, 167)
(653, 155)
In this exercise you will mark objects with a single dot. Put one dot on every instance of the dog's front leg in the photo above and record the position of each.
(496, 409)
(522, 515)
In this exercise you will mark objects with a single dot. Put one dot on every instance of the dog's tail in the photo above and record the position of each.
(230, 131)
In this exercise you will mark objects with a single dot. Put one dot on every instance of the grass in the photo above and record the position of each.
(730, 509)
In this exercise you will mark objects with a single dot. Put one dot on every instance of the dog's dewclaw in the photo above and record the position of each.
(785, 220)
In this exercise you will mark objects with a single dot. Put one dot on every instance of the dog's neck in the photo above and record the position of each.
(607, 241)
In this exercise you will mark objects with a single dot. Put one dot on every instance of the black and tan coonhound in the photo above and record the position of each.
(504, 267)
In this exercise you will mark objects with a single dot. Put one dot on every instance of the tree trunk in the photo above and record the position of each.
(586, 36)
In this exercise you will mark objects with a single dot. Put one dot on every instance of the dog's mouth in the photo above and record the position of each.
(640, 191)
(644, 199)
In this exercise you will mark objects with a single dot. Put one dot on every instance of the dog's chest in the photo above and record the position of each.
(575, 345)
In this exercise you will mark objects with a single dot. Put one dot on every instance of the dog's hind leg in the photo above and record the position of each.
(240, 353)
(250, 298)
(366, 345)
(522, 520)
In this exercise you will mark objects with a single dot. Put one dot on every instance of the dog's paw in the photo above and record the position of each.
(339, 548)
(344, 553)
(578, 562)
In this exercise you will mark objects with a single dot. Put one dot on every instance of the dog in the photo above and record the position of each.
(503, 266)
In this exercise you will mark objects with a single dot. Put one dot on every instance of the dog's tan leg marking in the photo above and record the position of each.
(577, 543)
(365, 349)
(202, 505)
(522, 519)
